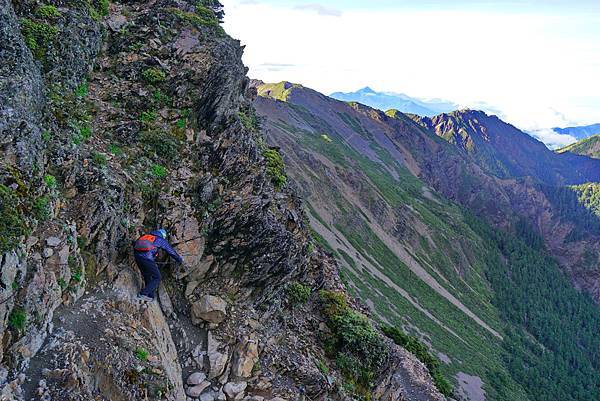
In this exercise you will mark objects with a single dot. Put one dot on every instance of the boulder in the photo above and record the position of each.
(198, 356)
(196, 390)
(196, 378)
(217, 356)
(235, 391)
(244, 358)
(209, 309)
(53, 241)
(190, 287)
(208, 396)
(217, 362)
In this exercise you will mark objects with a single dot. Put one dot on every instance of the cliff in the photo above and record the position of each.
(118, 118)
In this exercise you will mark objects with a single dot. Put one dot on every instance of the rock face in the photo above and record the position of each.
(116, 118)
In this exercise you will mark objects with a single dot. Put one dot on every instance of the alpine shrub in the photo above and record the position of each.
(38, 36)
(162, 144)
(275, 168)
(99, 159)
(50, 181)
(41, 208)
(355, 344)
(154, 75)
(141, 354)
(159, 171)
(298, 293)
(47, 11)
(17, 320)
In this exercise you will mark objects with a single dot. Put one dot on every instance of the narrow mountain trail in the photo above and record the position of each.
(101, 322)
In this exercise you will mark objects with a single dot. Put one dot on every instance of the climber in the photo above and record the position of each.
(145, 250)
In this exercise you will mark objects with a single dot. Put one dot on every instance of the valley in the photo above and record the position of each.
(416, 258)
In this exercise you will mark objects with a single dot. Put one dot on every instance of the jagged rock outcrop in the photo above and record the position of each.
(118, 117)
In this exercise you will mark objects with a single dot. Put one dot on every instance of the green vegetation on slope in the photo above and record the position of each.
(12, 222)
(354, 343)
(589, 196)
(552, 346)
(275, 168)
(587, 147)
(577, 204)
(548, 327)
(473, 350)
(280, 91)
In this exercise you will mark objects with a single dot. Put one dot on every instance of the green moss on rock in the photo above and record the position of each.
(47, 11)
(203, 17)
(12, 222)
(38, 36)
(298, 293)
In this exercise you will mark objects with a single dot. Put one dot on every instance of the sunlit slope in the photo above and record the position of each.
(415, 258)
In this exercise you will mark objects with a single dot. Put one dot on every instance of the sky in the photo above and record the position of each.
(536, 61)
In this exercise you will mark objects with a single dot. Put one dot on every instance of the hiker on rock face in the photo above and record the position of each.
(145, 249)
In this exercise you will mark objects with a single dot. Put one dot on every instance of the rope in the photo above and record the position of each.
(186, 241)
(156, 225)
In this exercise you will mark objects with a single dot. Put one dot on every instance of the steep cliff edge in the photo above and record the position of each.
(120, 117)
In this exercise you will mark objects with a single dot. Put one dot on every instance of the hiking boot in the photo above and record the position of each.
(144, 298)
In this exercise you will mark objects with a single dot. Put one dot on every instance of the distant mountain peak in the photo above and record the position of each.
(366, 89)
(398, 101)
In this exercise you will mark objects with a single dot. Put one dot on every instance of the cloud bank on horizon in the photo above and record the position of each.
(537, 62)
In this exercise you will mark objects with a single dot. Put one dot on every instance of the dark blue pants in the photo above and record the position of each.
(151, 275)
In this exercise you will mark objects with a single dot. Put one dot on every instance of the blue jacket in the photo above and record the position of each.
(159, 243)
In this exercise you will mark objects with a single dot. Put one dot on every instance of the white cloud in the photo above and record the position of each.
(528, 65)
(320, 9)
(553, 139)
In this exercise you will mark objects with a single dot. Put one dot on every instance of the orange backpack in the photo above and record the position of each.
(145, 243)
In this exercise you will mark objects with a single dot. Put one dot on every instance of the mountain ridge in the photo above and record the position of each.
(589, 146)
(507, 151)
(579, 132)
(384, 196)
